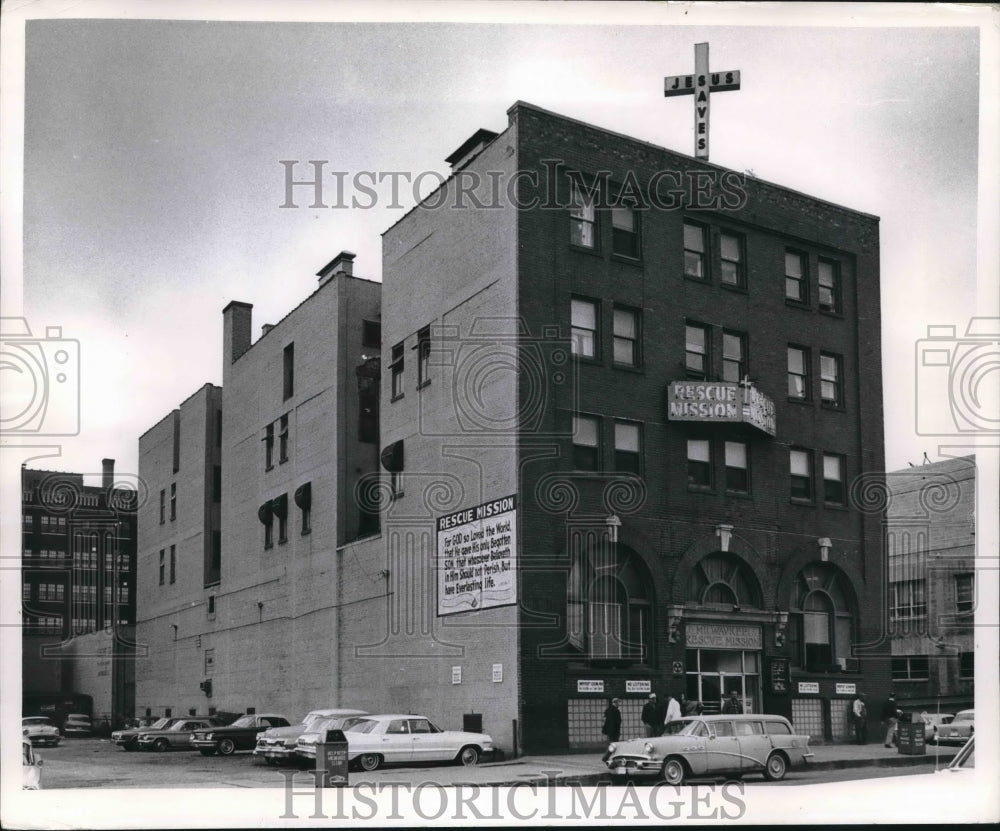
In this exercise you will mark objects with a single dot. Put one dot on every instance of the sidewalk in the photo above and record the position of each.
(587, 768)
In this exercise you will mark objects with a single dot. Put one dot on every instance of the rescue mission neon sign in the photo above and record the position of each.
(720, 401)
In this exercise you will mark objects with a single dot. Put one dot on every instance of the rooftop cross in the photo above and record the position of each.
(701, 85)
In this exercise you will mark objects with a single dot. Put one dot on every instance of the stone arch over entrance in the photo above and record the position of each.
(714, 543)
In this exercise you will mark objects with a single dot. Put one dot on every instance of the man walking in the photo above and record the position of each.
(673, 713)
(612, 727)
(859, 714)
(650, 716)
(890, 716)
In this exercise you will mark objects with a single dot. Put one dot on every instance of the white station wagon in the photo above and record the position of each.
(708, 746)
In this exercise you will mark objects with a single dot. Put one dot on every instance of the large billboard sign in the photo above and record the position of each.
(720, 402)
(477, 557)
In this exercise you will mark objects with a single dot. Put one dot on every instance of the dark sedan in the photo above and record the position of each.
(240, 735)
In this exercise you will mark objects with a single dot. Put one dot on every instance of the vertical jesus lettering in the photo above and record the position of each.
(701, 85)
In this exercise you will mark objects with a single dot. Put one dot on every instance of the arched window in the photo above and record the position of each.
(726, 581)
(608, 608)
(821, 621)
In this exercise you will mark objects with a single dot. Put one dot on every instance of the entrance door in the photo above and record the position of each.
(712, 674)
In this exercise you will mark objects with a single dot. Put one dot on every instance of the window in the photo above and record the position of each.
(269, 446)
(734, 349)
(821, 620)
(396, 370)
(280, 508)
(584, 327)
(625, 231)
(795, 277)
(699, 463)
(215, 566)
(800, 464)
(218, 428)
(582, 217)
(26, 592)
(288, 372)
(626, 334)
(965, 593)
(173, 501)
(163, 506)
(628, 455)
(283, 439)
(586, 443)
(162, 566)
(608, 609)
(210, 611)
(694, 251)
(967, 665)
(912, 668)
(831, 388)
(907, 599)
(798, 373)
(731, 260)
(696, 350)
(423, 357)
(396, 483)
(265, 514)
(737, 467)
(371, 334)
(217, 483)
(833, 479)
(173, 564)
(303, 498)
(724, 580)
(828, 278)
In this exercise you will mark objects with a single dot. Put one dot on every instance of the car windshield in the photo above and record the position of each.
(159, 724)
(684, 727)
(243, 721)
(364, 726)
(970, 716)
(76, 717)
(37, 720)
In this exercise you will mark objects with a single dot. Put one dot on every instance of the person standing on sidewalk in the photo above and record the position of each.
(890, 717)
(673, 713)
(613, 721)
(733, 705)
(651, 715)
(859, 713)
(689, 707)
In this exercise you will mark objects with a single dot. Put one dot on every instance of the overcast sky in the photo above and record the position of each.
(152, 181)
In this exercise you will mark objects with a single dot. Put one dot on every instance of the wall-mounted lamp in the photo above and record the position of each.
(384, 574)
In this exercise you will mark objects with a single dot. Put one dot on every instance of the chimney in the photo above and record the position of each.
(343, 263)
(107, 473)
(267, 327)
(236, 320)
(471, 148)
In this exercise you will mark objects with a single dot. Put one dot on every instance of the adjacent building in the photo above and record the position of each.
(932, 583)
(78, 593)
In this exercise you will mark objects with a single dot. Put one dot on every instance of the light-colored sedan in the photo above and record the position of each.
(175, 737)
(959, 729)
(709, 746)
(77, 724)
(278, 744)
(305, 746)
(40, 731)
(405, 738)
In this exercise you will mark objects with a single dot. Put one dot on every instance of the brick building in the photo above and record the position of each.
(251, 493)
(78, 590)
(932, 583)
(674, 372)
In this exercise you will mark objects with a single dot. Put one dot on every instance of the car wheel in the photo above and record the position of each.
(369, 761)
(673, 772)
(469, 756)
(161, 745)
(775, 768)
(227, 747)
(206, 751)
(128, 747)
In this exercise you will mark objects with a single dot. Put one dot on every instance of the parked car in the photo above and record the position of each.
(240, 735)
(394, 738)
(77, 724)
(305, 748)
(176, 736)
(713, 746)
(958, 729)
(128, 739)
(277, 744)
(932, 721)
(31, 767)
(41, 731)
